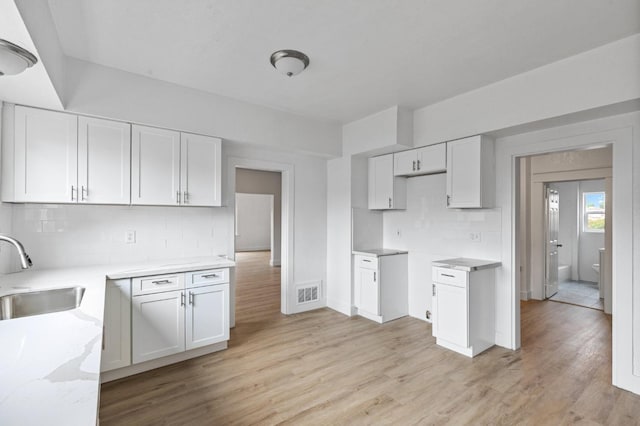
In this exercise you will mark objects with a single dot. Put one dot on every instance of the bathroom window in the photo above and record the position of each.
(593, 208)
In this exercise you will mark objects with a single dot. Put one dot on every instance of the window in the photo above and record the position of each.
(593, 208)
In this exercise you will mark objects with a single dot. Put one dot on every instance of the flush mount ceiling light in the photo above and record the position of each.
(14, 59)
(289, 62)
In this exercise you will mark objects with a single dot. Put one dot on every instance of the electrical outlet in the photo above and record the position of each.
(475, 236)
(130, 237)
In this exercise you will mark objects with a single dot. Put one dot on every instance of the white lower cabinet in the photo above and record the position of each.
(116, 338)
(464, 309)
(158, 325)
(380, 286)
(177, 312)
(207, 316)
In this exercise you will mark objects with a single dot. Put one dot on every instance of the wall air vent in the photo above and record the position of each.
(308, 293)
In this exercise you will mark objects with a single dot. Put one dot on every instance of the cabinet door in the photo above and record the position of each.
(46, 156)
(200, 170)
(369, 291)
(158, 325)
(432, 159)
(405, 163)
(381, 182)
(207, 315)
(104, 161)
(464, 177)
(451, 314)
(155, 166)
(116, 336)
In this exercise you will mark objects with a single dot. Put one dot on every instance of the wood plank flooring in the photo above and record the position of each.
(322, 368)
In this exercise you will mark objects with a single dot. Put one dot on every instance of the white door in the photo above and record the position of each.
(463, 173)
(158, 325)
(155, 166)
(451, 314)
(432, 159)
(369, 291)
(552, 225)
(200, 170)
(46, 156)
(116, 336)
(104, 161)
(405, 163)
(207, 320)
(381, 182)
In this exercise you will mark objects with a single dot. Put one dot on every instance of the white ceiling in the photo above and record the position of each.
(366, 55)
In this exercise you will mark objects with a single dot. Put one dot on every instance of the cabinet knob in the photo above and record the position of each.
(418, 164)
(414, 165)
(374, 276)
(177, 197)
(389, 202)
(73, 191)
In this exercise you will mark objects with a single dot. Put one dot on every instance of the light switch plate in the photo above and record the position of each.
(130, 237)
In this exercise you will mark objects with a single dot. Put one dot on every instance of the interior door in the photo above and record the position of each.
(552, 223)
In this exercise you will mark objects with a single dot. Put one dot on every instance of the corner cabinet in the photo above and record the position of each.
(471, 173)
(54, 157)
(173, 168)
(116, 335)
(386, 191)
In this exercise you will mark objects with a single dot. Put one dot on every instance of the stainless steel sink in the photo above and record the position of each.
(40, 302)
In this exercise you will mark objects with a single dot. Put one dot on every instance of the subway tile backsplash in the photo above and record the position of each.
(76, 235)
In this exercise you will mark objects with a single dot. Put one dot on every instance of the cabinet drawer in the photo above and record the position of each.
(367, 262)
(450, 276)
(210, 276)
(157, 284)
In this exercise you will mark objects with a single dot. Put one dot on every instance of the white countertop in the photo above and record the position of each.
(466, 264)
(377, 252)
(50, 364)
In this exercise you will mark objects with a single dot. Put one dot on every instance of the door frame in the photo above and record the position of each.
(626, 361)
(286, 227)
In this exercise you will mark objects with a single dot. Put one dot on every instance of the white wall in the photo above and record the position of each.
(430, 231)
(253, 222)
(106, 92)
(59, 235)
(603, 76)
(264, 182)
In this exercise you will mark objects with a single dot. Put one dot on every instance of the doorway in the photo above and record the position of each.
(258, 225)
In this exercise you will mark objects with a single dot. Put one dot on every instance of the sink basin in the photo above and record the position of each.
(40, 302)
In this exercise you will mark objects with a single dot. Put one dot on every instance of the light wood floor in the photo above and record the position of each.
(322, 368)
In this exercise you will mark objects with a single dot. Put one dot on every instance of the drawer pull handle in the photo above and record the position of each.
(210, 276)
(161, 282)
(190, 298)
(447, 275)
(181, 299)
(366, 260)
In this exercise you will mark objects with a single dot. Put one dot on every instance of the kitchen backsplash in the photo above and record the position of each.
(430, 231)
(76, 235)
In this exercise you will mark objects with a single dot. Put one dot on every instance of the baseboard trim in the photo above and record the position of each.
(274, 262)
(111, 375)
(525, 295)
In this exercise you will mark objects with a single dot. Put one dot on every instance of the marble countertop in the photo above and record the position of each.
(466, 264)
(379, 252)
(50, 364)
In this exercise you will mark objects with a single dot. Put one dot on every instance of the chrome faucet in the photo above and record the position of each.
(24, 257)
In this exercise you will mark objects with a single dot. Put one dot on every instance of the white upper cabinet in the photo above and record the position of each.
(421, 161)
(385, 190)
(40, 156)
(53, 157)
(200, 170)
(470, 173)
(155, 166)
(104, 161)
(172, 168)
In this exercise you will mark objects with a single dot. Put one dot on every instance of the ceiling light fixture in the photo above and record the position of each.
(289, 62)
(14, 59)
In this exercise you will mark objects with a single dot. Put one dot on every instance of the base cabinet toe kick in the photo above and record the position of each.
(158, 320)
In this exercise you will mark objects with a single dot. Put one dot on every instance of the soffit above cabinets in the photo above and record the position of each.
(365, 55)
